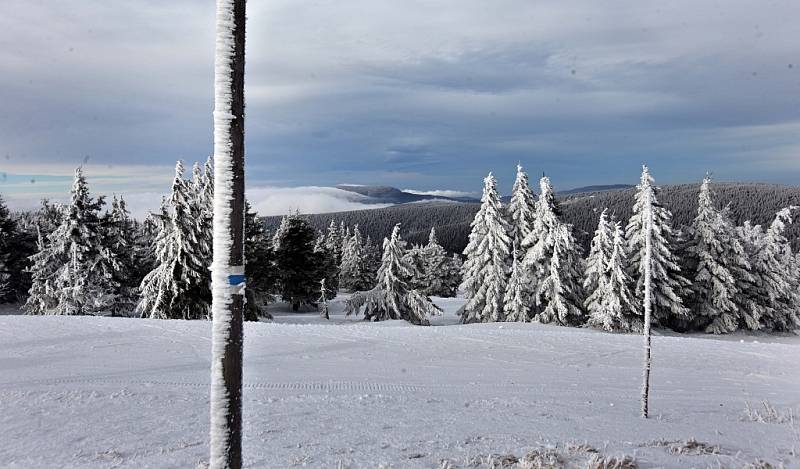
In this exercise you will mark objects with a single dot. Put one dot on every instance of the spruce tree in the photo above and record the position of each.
(521, 208)
(553, 264)
(721, 266)
(259, 270)
(440, 273)
(333, 242)
(599, 254)
(487, 253)
(44, 265)
(391, 298)
(516, 305)
(558, 297)
(354, 274)
(85, 282)
(611, 304)
(414, 259)
(177, 286)
(119, 237)
(297, 264)
(668, 285)
(774, 294)
(16, 246)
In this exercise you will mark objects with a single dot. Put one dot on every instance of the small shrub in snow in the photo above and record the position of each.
(604, 462)
(767, 413)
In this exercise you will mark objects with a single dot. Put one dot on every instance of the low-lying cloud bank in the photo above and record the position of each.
(306, 199)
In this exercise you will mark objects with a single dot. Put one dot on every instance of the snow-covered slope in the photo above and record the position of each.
(106, 392)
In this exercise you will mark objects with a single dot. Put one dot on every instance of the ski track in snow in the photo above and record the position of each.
(133, 393)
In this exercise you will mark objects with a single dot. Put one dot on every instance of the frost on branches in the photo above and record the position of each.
(177, 288)
(75, 271)
(774, 294)
(440, 273)
(354, 272)
(668, 285)
(553, 264)
(611, 304)
(487, 253)
(515, 301)
(521, 208)
(721, 269)
(391, 298)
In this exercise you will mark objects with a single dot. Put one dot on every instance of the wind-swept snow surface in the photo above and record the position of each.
(133, 393)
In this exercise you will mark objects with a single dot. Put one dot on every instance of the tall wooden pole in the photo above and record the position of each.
(648, 301)
(228, 266)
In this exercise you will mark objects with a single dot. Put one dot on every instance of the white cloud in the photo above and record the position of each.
(308, 199)
(442, 193)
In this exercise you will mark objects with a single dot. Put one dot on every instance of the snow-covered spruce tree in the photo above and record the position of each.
(536, 263)
(119, 237)
(414, 259)
(372, 262)
(440, 273)
(176, 288)
(774, 294)
(333, 242)
(391, 298)
(327, 269)
(553, 264)
(44, 265)
(721, 266)
(353, 274)
(669, 286)
(297, 263)
(558, 297)
(521, 209)
(85, 282)
(611, 305)
(516, 305)
(487, 258)
(323, 300)
(279, 233)
(599, 253)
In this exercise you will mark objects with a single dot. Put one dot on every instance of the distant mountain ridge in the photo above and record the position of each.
(393, 195)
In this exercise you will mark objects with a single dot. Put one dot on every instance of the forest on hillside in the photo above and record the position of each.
(756, 202)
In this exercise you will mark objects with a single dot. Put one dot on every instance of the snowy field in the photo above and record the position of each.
(110, 392)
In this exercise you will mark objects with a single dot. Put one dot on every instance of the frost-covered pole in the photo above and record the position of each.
(648, 253)
(227, 276)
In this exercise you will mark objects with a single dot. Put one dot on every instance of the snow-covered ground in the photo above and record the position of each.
(112, 392)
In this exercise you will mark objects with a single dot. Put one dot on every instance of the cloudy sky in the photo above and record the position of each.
(420, 94)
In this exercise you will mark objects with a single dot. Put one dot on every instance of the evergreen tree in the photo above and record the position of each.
(259, 269)
(177, 287)
(553, 264)
(16, 247)
(44, 265)
(611, 303)
(297, 263)
(414, 259)
(721, 267)
(668, 285)
(84, 282)
(774, 294)
(391, 298)
(558, 296)
(119, 237)
(354, 274)
(487, 253)
(440, 272)
(536, 263)
(521, 208)
(599, 254)
(515, 301)
(327, 268)
(372, 261)
(333, 242)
